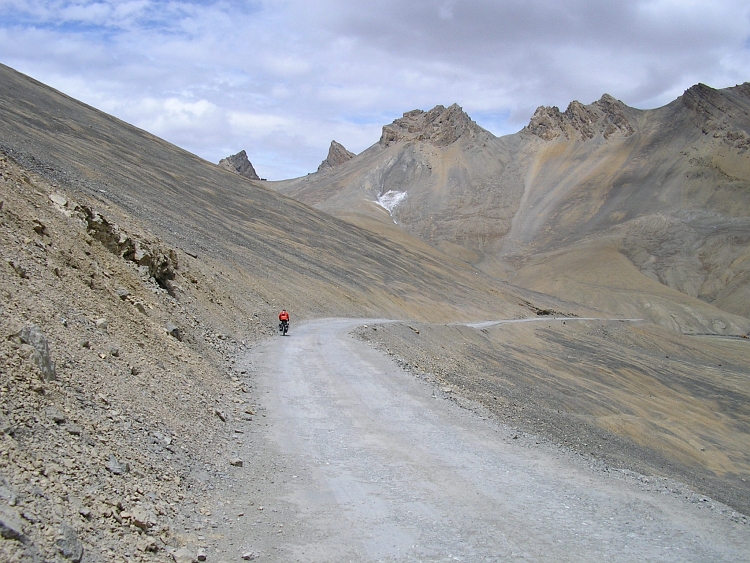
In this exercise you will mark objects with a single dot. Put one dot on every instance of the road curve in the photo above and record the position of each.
(372, 464)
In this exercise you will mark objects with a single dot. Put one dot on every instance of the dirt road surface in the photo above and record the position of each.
(351, 459)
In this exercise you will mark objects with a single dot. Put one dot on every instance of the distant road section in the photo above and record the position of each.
(486, 324)
(372, 464)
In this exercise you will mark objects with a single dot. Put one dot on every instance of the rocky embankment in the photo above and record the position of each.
(117, 382)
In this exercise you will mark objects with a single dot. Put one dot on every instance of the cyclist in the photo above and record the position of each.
(283, 321)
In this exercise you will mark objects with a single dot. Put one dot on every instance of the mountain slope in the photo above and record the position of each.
(300, 257)
(669, 189)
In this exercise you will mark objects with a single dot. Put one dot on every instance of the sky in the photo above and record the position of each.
(282, 78)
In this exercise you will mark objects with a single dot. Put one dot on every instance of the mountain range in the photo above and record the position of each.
(636, 212)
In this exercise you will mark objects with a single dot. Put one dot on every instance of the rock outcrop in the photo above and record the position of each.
(440, 126)
(605, 117)
(717, 112)
(239, 164)
(337, 155)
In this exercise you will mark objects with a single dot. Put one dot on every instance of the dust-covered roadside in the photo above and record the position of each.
(118, 387)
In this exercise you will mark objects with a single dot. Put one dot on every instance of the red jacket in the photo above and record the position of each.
(283, 316)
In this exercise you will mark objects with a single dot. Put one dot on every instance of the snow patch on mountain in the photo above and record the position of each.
(390, 199)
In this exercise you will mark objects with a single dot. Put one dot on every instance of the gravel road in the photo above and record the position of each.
(360, 461)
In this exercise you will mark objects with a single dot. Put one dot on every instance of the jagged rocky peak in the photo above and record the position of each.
(440, 126)
(337, 155)
(605, 117)
(239, 164)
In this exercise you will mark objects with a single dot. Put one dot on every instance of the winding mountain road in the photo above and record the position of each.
(361, 461)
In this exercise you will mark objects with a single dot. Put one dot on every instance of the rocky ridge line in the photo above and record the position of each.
(440, 126)
(604, 117)
(717, 113)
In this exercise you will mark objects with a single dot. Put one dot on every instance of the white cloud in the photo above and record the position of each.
(281, 78)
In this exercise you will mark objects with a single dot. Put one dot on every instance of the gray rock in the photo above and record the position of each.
(39, 227)
(34, 336)
(183, 555)
(7, 495)
(249, 556)
(174, 331)
(236, 462)
(142, 518)
(69, 545)
(5, 425)
(102, 324)
(58, 199)
(123, 293)
(147, 544)
(11, 527)
(114, 466)
(55, 415)
(20, 270)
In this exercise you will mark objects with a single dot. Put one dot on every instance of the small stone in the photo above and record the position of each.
(85, 344)
(5, 425)
(69, 545)
(249, 556)
(147, 544)
(114, 466)
(55, 415)
(123, 293)
(140, 517)
(73, 429)
(39, 227)
(58, 199)
(236, 462)
(10, 524)
(201, 555)
(221, 415)
(134, 370)
(183, 555)
(35, 337)
(20, 270)
(173, 331)
(7, 495)
(140, 306)
(115, 352)
(102, 324)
